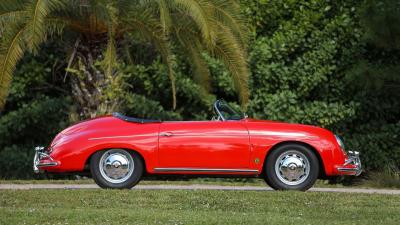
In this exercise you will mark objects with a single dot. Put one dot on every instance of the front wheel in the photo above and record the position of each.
(291, 167)
(116, 168)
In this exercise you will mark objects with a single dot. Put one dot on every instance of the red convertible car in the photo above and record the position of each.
(119, 150)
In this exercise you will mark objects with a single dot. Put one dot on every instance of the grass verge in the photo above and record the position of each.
(202, 181)
(194, 207)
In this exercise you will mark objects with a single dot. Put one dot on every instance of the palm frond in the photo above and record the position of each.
(54, 26)
(12, 5)
(6, 18)
(36, 28)
(230, 46)
(194, 49)
(229, 51)
(11, 13)
(202, 74)
(150, 28)
(199, 12)
(228, 13)
(11, 51)
(165, 16)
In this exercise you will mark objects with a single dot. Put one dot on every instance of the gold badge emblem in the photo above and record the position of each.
(257, 160)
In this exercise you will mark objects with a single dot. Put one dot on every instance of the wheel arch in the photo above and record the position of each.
(87, 161)
(322, 172)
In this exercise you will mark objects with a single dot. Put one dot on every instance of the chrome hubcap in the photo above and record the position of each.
(292, 167)
(116, 165)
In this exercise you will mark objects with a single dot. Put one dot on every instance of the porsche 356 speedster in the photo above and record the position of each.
(119, 150)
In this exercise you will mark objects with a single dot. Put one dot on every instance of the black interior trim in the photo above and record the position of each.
(132, 119)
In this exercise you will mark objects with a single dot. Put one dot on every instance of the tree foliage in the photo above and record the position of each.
(314, 62)
(213, 26)
(323, 63)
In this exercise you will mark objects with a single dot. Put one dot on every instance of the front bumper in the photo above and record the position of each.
(42, 159)
(352, 166)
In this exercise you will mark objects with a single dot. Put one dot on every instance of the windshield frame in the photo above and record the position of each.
(218, 110)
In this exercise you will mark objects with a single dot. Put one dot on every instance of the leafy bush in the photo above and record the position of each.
(380, 146)
(311, 64)
(36, 111)
(33, 124)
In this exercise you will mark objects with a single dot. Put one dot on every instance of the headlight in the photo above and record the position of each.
(340, 142)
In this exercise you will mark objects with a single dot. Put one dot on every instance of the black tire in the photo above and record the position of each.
(278, 182)
(131, 180)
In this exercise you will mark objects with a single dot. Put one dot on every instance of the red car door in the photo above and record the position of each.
(204, 144)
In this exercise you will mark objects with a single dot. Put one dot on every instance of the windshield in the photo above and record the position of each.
(227, 112)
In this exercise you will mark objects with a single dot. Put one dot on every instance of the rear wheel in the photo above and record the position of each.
(116, 168)
(291, 167)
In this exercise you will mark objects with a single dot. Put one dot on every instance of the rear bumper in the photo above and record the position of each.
(42, 160)
(352, 166)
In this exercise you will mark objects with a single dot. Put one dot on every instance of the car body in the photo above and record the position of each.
(231, 145)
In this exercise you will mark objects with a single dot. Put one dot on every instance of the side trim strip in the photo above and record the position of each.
(205, 170)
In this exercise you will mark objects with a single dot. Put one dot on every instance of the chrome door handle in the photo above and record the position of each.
(166, 134)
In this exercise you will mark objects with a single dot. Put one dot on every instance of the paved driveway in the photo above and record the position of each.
(192, 187)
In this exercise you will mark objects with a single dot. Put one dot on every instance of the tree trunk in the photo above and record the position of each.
(88, 80)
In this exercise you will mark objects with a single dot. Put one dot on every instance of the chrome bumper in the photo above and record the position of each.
(40, 155)
(354, 162)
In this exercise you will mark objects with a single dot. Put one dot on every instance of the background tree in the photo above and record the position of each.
(100, 30)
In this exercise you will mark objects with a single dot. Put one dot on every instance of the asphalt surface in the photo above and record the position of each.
(192, 187)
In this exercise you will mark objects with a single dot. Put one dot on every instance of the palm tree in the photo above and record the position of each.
(99, 29)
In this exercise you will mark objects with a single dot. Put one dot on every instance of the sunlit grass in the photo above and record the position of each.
(98, 206)
(200, 181)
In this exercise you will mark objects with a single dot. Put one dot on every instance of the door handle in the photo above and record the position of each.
(166, 134)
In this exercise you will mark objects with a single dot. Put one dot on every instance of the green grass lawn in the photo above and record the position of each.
(204, 181)
(201, 181)
(194, 207)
